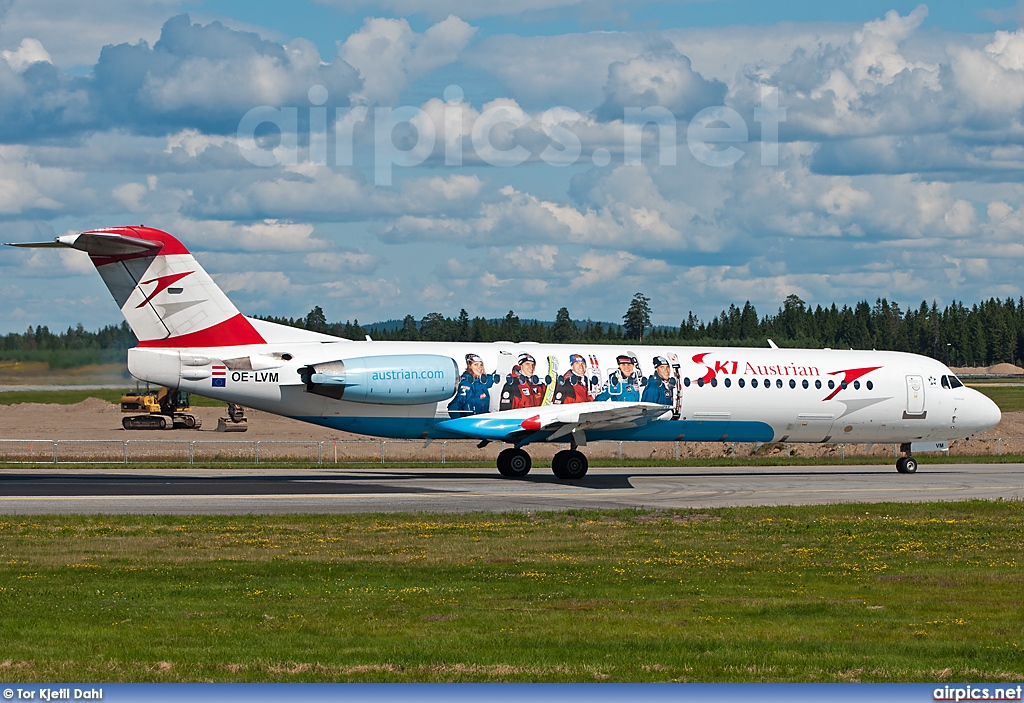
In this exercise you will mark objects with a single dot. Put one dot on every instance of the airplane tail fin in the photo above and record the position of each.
(164, 294)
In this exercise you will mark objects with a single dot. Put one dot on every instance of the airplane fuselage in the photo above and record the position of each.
(725, 394)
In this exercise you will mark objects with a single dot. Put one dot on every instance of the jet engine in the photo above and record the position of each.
(398, 379)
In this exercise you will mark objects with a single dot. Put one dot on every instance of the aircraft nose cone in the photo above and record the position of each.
(990, 414)
(984, 413)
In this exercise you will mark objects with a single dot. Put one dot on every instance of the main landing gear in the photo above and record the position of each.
(906, 464)
(569, 464)
(514, 463)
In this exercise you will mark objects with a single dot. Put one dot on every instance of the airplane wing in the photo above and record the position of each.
(551, 422)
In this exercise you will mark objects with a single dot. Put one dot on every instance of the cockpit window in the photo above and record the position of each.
(951, 382)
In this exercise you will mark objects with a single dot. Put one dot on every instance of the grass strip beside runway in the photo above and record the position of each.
(890, 592)
(71, 396)
(1008, 398)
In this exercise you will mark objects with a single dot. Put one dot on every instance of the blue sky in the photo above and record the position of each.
(898, 169)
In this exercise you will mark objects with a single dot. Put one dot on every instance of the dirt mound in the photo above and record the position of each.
(1001, 369)
(95, 406)
(89, 406)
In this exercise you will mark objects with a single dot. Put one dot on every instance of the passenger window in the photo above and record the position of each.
(792, 383)
(805, 384)
(856, 385)
(753, 383)
(714, 383)
(700, 382)
(728, 383)
(778, 383)
(767, 383)
(831, 384)
(870, 385)
(817, 384)
(686, 381)
(741, 382)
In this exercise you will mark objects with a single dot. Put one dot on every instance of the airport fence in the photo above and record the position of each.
(384, 451)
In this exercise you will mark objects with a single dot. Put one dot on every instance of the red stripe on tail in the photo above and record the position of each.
(170, 244)
(232, 332)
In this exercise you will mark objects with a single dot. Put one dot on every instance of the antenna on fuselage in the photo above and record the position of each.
(772, 344)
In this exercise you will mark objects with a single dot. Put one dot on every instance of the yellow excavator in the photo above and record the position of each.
(162, 409)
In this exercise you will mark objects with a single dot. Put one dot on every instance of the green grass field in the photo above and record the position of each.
(1008, 398)
(888, 592)
(72, 396)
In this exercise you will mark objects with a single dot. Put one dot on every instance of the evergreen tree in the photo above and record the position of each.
(791, 317)
(432, 327)
(480, 331)
(353, 330)
(748, 322)
(511, 330)
(463, 326)
(564, 329)
(409, 333)
(637, 317)
(316, 321)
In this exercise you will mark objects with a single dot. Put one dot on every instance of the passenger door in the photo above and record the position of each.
(915, 397)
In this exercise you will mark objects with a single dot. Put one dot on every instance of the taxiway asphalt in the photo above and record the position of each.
(328, 490)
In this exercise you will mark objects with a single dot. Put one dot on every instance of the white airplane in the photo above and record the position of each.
(193, 338)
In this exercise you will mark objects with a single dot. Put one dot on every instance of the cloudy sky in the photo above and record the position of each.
(384, 157)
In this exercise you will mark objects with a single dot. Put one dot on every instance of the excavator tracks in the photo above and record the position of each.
(162, 422)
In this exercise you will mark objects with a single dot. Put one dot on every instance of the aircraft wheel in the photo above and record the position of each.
(909, 465)
(514, 463)
(558, 464)
(574, 465)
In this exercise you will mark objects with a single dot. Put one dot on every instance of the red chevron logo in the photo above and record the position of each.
(162, 284)
(849, 376)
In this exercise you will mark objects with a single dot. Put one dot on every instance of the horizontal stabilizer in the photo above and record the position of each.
(98, 244)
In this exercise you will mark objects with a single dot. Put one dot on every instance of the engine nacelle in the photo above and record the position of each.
(395, 379)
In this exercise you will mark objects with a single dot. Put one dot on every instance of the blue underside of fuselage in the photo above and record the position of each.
(660, 431)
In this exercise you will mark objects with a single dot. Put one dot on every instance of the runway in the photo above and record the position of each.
(270, 491)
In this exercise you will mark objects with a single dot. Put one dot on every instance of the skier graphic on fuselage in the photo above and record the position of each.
(474, 394)
(522, 388)
(572, 386)
(661, 387)
(623, 385)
